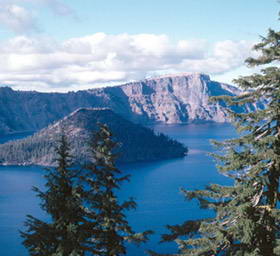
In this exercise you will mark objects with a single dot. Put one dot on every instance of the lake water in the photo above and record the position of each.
(155, 187)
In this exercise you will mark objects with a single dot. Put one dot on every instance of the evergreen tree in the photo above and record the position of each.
(62, 236)
(247, 213)
(107, 227)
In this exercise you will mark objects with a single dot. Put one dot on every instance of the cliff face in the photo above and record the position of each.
(170, 99)
(137, 143)
(178, 99)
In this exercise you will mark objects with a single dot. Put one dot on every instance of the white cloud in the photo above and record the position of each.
(21, 19)
(17, 18)
(57, 6)
(44, 64)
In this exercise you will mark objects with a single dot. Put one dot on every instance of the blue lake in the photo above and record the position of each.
(155, 187)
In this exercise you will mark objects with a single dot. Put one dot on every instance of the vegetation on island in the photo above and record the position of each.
(247, 214)
(137, 143)
(86, 215)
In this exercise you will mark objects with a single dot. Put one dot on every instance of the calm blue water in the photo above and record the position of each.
(155, 187)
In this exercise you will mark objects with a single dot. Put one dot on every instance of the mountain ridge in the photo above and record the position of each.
(173, 99)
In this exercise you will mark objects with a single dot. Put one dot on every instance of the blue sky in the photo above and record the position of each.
(61, 45)
(210, 19)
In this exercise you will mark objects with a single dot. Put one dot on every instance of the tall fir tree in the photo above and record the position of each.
(108, 229)
(63, 236)
(247, 215)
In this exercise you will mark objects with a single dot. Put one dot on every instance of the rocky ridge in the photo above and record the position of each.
(178, 98)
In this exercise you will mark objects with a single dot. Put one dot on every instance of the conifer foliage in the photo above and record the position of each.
(247, 215)
(86, 217)
(61, 200)
(108, 228)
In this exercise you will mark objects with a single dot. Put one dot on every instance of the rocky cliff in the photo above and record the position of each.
(137, 143)
(170, 99)
(178, 98)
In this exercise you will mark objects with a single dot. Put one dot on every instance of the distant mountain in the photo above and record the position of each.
(169, 99)
(137, 143)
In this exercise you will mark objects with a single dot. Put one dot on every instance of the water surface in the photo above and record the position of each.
(155, 187)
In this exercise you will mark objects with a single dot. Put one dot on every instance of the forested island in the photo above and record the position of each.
(136, 143)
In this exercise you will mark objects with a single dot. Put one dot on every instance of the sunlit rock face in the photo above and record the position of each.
(170, 99)
(178, 98)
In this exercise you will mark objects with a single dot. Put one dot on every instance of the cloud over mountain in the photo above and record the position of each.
(46, 64)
